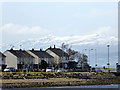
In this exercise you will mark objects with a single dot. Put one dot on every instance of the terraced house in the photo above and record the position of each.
(61, 58)
(19, 59)
(2, 61)
(41, 55)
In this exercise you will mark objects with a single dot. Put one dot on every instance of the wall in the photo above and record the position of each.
(56, 57)
(36, 60)
(11, 60)
(2, 60)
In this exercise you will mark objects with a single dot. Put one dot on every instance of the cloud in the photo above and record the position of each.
(106, 30)
(101, 36)
(50, 40)
(11, 28)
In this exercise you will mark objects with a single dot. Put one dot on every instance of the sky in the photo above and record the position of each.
(33, 20)
(83, 22)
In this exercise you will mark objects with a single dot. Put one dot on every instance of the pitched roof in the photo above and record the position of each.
(20, 53)
(1, 54)
(59, 52)
(41, 54)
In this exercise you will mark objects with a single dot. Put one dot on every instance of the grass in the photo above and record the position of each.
(36, 75)
(105, 68)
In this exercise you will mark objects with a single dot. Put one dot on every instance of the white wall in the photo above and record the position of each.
(56, 57)
(36, 60)
(11, 60)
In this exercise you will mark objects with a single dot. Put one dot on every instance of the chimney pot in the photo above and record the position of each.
(40, 49)
(32, 49)
(11, 49)
(54, 46)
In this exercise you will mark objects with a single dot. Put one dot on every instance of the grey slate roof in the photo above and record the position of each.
(20, 53)
(41, 54)
(59, 52)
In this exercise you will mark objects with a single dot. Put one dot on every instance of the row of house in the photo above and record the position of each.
(31, 59)
(2, 61)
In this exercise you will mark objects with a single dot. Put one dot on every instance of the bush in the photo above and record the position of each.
(43, 64)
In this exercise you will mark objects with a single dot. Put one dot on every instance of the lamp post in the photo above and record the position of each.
(108, 56)
(96, 57)
(83, 51)
(89, 55)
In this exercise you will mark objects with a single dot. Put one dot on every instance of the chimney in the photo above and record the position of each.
(40, 49)
(11, 49)
(32, 49)
(54, 46)
(20, 49)
(50, 47)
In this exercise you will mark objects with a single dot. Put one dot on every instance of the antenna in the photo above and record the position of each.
(20, 46)
(12, 46)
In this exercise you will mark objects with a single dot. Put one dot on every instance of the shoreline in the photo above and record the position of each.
(40, 79)
(55, 82)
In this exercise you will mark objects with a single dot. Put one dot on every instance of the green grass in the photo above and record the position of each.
(105, 68)
(38, 75)
(14, 73)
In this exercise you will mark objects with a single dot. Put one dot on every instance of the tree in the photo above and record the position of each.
(43, 64)
(80, 59)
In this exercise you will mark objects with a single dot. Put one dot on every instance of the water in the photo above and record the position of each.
(89, 87)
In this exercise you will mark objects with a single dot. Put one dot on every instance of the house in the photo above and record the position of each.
(41, 55)
(2, 61)
(60, 57)
(19, 59)
(72, 64)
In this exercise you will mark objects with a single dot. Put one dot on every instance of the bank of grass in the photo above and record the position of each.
(47, 75)
(105, 68)
(50, 79)
(28, 83)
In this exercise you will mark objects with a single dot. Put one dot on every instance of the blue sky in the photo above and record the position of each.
(59, 19)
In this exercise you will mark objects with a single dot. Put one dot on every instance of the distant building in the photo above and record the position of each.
(83, 63)
(61, 58)
(41, 55)
(2, 61)
(19, 59)
(72, 64)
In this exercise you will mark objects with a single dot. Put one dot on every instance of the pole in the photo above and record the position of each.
(83, 51)
(89, 57)
(96, 57)
(63, 54)
(108, 56)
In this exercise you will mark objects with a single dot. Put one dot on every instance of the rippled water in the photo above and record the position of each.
(91, 86)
